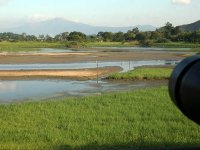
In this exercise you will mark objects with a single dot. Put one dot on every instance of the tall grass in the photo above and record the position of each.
(143, 74)
(140, 119)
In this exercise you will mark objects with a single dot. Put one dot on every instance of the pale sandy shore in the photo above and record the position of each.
(80, 74)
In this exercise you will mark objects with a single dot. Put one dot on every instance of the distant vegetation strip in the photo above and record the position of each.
(144, 73)
(26, 46)
(140, 119)
(166, 36)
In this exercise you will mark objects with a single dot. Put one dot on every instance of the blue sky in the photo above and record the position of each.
(101, 12)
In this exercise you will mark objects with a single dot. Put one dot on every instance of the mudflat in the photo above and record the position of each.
(30, 58)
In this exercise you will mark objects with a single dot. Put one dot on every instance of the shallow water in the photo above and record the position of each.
(14, 91)
(112, 49)
(125, 65)
(53, 50)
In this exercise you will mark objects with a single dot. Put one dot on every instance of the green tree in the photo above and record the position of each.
(141, 36)
(65, 36)
(119, 37)
(135, 30)
(77, 36)
(168, 30)
(129, 36)
(107, 36)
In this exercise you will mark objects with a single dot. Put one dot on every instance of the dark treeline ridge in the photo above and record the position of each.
(165, 34)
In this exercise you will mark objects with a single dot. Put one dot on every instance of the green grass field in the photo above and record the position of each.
(143, 73)
(138, 119)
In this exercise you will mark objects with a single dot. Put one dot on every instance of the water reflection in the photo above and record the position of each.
(54, 50)
(13, 91)
(42, 89)
(7, 87)
(126, 65)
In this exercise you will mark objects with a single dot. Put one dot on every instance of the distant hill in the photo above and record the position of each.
(59, 25)
(191, 27)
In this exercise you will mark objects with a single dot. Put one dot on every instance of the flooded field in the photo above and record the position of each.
(23, 89)
(125, 65)
(13, 91)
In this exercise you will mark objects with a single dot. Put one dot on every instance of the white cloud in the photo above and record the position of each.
(2, 2)
(181, 2)
(39, 17)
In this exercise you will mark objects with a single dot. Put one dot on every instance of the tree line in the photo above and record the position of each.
(167, 33)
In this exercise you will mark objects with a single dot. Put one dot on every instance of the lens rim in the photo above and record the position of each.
(176, 78)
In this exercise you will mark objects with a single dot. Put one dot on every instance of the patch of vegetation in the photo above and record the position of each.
(140, 119)
(75, 44)
(112, 44)
(176, 45)
(28, 46)
(143, 73)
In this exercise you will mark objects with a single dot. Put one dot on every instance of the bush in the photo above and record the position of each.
(147, 43)
(163, 40)
(75, 44)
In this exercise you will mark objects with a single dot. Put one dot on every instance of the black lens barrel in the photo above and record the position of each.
(184, 87)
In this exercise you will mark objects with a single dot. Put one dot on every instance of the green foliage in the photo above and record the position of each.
(112, 44)
(105, 36)
(163, 40)
(77, 36)
(139, 119)
(143, 74)
(119, 37)
(75, 44)
(147, 43)
(8, 36)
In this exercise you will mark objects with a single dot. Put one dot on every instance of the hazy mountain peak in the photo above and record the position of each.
(59, 25)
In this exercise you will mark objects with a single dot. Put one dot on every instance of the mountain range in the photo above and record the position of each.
(59, 25)
(191, 27)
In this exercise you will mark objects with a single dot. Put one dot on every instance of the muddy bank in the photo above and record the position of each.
(31, 58)
(79, 74)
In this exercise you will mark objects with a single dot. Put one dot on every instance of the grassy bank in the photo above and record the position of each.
(140, 119)
(112, 44)
(136, 43)
(143, 73)
(27, 46)
(176, 45)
